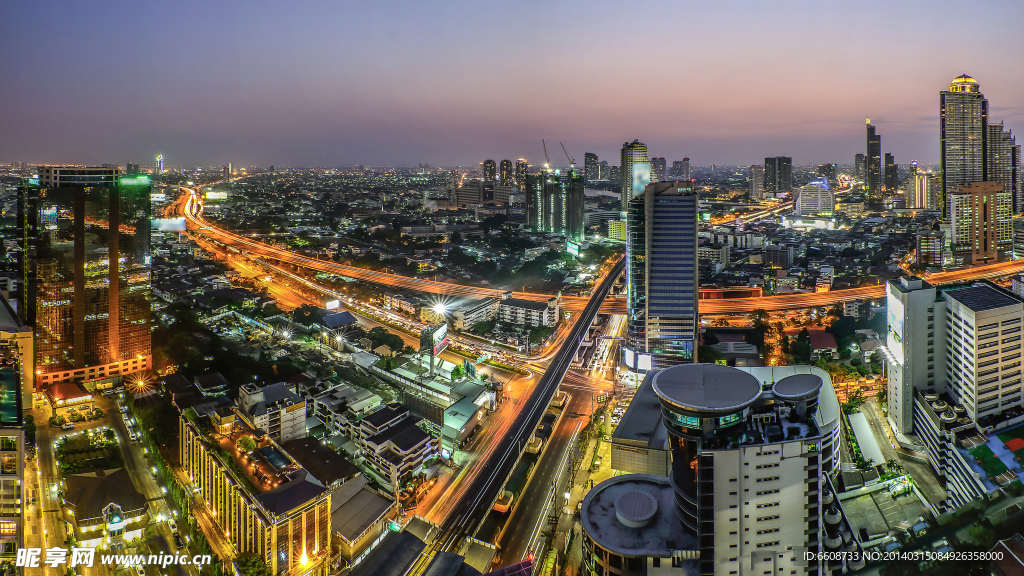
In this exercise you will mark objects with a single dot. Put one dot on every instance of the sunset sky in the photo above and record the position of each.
(338, 83)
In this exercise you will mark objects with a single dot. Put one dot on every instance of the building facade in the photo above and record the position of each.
(756, 190)
(528, 313)
(815, 199)
(873, 163)
(1003, 160)
(963, 133)
(662, 277)
(632, 152)
(981, 220)
(85, 272)
(555, 200)
(778, 174)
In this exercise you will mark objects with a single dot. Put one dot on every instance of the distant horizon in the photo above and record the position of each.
(393, 83)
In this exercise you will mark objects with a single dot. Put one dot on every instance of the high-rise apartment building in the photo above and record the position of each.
(681, 169)
(225, 171)
(521, 169)
(815, 199)
(662, 277)
(591, 167)
(954, 355)
(505, 174)
(873, 163)
(828, 171)
(910, 194)
(632, 152)
(658, 173)
(982, 221)
(756, 182)
(1003, 163)
(778, 174)
(605, 171)
(751, 453)
(16, 387)
(85, 272)
(859, 168)
(963, 132)
(891, 179)
(555, 201)
(490, 170)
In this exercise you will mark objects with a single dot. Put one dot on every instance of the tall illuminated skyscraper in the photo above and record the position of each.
(778, 174)
(873, 162)
(756, 182)
(828, 171)
(632, 152)
(521, 169)
(159, 164)
(506, 176)
(490, 171)
(963, 131)
(555, 201)
(657, 169)
(1003, 162)
(591, 167)
(662, 277)
(859, 167)
(890, 174)
(85, 271)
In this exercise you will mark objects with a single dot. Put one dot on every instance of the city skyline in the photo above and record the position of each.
(309, 89)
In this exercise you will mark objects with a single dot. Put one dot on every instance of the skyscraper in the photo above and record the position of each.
(756, 182)
(555, 201)
(662, 276)
(490, 170)
(657, 169)
(913, 200)
(85, 272)
(815, 199)
(890, 174)
(859, 167)
(591, 168)
(963, 131)
(1003, 160)
(873, 163)
(506, 175)
(828, 171)
(631, 153)
(778, 174)
(605, 171)
(159, 164)
(521, 169)
(686, 169)
(981, 219)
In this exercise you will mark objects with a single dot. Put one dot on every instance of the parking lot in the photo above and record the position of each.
(879, 512)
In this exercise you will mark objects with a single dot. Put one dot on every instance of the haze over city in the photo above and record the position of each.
(398, 83)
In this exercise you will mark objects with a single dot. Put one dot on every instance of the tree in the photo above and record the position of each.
(246, 444)
(250, 564)
(307, 314)
(457, 372)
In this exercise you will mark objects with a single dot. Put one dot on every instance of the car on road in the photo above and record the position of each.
(172, 525)
(68, 426)
(138, 571)
(177, 541)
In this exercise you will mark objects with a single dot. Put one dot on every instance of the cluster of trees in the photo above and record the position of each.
(380, 335)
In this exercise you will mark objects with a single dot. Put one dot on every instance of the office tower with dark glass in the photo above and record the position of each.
(662, 277)
(555, 201)
(963, 132)
(890, 174)
(490, 170)
(657, 169)
(632, 152)
(873, 162)
(778, 174)
(505, 174)
(828, 171)
(591, 167)
(86, 272)
(858, 166)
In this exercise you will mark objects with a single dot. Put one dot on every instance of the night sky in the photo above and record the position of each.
(338, 83)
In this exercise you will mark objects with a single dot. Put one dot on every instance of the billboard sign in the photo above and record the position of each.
(211, 195)
(168, 224)
(894, 317)
(332, 304)
(434, 339)
(572, 248)
(641, 177)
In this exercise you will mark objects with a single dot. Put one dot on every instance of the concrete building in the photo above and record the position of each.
(981, 217)
(778, 174)
(555, 201)
(747, 452)
(16, 389)
(468, 315)
(395, 448)
(756, 189)
(815, 199)
(263, 501)
(718, 253)
(632, 153)
(930, 248)
(276, 409)
(1003, 163)
(528, 313)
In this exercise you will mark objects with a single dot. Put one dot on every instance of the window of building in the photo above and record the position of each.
(8, 443)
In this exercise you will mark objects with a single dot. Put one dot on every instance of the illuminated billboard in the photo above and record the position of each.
(168, 224)
(629, 357)
(894, 317)
(641, 177)
(572, 248)
(434, 339)
(211, 195)
(643, 362)
(332, 304)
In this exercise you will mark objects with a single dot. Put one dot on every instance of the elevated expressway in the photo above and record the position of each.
(190, 206)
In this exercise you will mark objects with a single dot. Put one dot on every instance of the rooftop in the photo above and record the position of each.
(706, 387)
(656, 533)
(91, 492)
(982, 296)
(324, 464)
(528, 304)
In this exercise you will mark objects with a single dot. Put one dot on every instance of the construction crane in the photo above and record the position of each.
(572, 161)
(547, 162)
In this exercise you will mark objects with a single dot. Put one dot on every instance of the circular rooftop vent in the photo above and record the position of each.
(635, 508)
